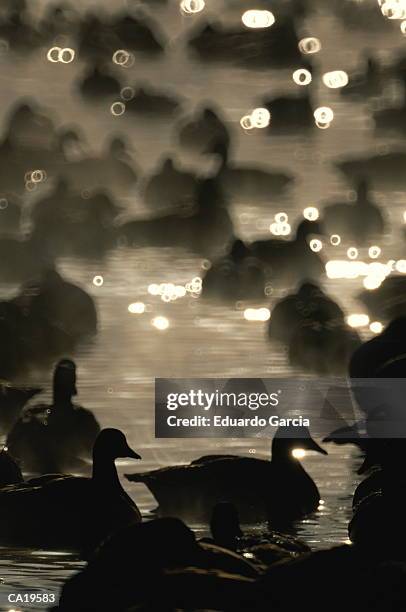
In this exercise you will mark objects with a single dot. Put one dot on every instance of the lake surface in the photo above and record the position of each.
(116, 372)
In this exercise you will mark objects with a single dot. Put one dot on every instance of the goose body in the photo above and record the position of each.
(291, 261)
(323, 348)
(98, 83)
(360, 222)
(12, 402)
(275, 47)
(207, 229)
(388, 301)
(202, 131)
(67, 222)
(170, 188)
(242, 182)
(70, 512)
(290, 113)
(308, 305)
(55, 438)
(237, 276)
(383, 171)
(253, 485)
(153, 103)
(154, 551)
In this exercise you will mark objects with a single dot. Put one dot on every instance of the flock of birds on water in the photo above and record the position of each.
(159, 564)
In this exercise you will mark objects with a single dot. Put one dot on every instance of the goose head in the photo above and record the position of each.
(290, 444)
(64, 382)
(306, 229)
(111, 444)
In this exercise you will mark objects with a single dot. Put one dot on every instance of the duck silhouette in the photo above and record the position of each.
(29, 125)
(205, 228)
(392, 119)
(291, 261)
(383, 171)
(10, 472)
(388, 301)
(280, 489)
(113, 169)
(10, 214)
(149, 102)
(60, 19)
(170, 188)
(162, 545)
(323, 348)
(12, 402)
(237, 276)
(290, 113)
(365, 84)
(360, 222)
(66, 222)
(138, 33)
(202, 131)
(275, 47)
(55, 438)
(98, 83)
(100, 36)
(384, 348)
(19, 34)
(32, 513)
(58, 314)
(308, 305)
(243, 182)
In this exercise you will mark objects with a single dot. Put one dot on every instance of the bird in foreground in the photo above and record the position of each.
(278, 489)
(71, 512)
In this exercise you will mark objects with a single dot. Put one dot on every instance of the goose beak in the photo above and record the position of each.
(312, 445)
(132, 454)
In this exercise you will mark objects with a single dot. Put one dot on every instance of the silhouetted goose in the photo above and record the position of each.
(275, 47)
(290, 113)
(202, 131)
(384, 348)
(170, 187)
(66, 222)
(10, 214)
(162, 545)
(360, 222)
(99, 83)
(391, 119)
(139, 33)
(113, 168)
(59, 19)
(99, 37)
(58, 437)
(153, 103)
(291, 261)
(388, 301)
(309, 305)
(12, 401)
(19, 33)
(279, 489)
(323, 348)
(59, 312)
(237, 276)
(10, 472)
(29, 126)
(206, 228)
(368, 83)
(71, 512)
(248, 182)
(383, 171)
